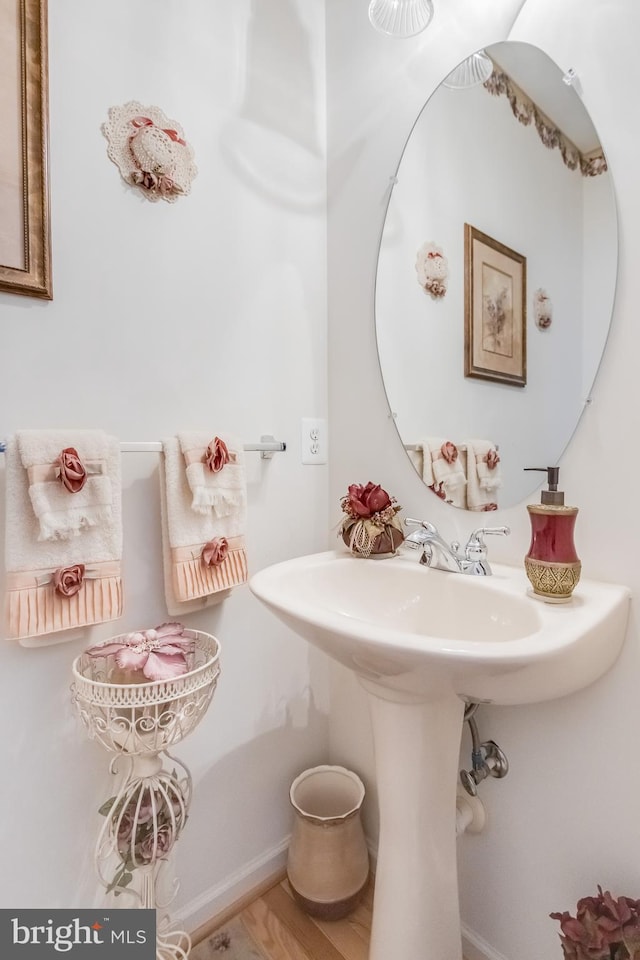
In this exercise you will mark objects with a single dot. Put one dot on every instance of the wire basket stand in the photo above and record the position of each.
(137, 722)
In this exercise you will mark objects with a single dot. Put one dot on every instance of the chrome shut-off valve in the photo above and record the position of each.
(489, 762)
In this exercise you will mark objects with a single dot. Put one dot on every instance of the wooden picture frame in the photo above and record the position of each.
(25, 250)
(495, 308)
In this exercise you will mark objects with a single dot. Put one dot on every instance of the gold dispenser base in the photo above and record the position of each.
(554, 582)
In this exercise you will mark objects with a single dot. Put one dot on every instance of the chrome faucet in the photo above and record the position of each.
(440, 555)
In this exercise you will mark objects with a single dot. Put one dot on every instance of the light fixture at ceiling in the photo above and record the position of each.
(474, 70)
(400, 18)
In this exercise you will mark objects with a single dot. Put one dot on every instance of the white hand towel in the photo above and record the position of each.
(190, 581)
(222, 491)
(448, 473)
(421, 460)
(482, 480)
(54, 585)
(60, 512)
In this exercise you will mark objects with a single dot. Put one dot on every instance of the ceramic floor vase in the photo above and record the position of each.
(328, 861)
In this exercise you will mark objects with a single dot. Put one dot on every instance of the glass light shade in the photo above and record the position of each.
(400, 18)
(474, 70)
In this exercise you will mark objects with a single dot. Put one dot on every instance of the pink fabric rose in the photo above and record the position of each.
(216, 455)
(70, 470)
(365, 501)
(67, 581)
(449, 451)
(159, 653)
(492, 459)
(215, 551)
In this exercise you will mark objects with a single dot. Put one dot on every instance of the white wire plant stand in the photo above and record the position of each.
(138, 722)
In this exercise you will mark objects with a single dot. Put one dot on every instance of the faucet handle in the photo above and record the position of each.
(476, 548)
(409, 521)
(483, 531)
(419, 537)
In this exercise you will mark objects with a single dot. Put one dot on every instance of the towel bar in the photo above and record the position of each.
(266, 448)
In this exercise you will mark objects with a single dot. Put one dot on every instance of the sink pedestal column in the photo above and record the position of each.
(417, 744)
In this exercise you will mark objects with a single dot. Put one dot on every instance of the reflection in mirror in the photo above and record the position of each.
(496, 278)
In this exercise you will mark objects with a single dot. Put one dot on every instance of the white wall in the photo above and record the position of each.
(207, 314)
(564, 819)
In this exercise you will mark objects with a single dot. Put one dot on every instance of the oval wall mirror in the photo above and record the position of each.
(496, 277)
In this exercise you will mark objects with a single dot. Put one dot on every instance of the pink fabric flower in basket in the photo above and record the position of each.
(159, 653)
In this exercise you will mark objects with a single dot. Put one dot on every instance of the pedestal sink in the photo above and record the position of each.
(422, 642)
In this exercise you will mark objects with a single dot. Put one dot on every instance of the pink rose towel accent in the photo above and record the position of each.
(63, 541)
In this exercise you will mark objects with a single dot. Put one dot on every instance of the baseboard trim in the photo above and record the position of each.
(218, 903)
(475, 948)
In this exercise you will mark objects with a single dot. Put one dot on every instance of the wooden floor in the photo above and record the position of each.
(272, 927)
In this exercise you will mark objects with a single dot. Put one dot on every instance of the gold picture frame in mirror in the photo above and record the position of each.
(25, 249)
(495, 310)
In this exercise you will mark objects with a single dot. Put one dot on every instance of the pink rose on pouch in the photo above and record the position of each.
(365, 501)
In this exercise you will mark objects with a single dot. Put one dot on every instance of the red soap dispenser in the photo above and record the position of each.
(552, 564)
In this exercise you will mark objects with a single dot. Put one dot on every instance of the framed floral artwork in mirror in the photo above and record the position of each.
(25, 257)
(495, 342)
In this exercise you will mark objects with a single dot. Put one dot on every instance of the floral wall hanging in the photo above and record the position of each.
(150, 151)
(432, 269)
(542, 309)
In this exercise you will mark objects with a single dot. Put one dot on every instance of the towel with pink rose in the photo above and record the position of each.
(63, 538)
(204, 551)
(448, 472)
(484, 477)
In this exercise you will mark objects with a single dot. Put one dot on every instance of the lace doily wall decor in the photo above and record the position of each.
(150, 151)
(432, 268)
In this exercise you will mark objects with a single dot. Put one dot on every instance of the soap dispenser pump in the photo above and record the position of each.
(552, 564)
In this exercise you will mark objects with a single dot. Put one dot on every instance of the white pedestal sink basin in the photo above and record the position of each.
(422, 642)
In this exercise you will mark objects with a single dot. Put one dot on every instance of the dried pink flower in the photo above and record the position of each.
(603, 929)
